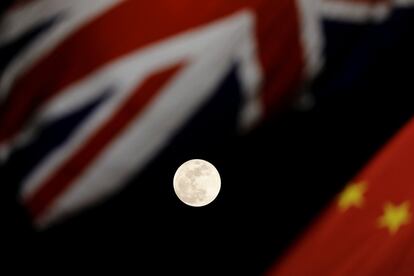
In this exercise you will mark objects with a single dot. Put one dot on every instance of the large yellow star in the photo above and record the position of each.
(352, 195)
(395, 216)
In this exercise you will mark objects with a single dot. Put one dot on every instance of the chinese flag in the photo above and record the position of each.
(369, 228)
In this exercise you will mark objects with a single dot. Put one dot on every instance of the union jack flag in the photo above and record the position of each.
(91, 91)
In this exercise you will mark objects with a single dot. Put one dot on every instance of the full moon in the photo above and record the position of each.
(197, 182)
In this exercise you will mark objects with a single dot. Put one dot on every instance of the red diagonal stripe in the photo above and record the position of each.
(126, 27)
(62, 178)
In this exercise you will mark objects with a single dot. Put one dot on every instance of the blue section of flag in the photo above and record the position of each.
(52, 135)
(353, 51)
(10, 50)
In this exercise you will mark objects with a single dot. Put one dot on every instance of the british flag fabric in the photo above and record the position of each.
(86, 83)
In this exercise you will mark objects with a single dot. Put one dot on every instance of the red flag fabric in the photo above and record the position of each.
(369, 228)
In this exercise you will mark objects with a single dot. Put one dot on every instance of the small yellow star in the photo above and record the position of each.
(352, 195)
(395, 216)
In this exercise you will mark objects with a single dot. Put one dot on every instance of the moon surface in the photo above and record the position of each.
(197, 182)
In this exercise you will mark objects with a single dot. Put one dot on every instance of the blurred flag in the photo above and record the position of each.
(369, 228)
(92, 91)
